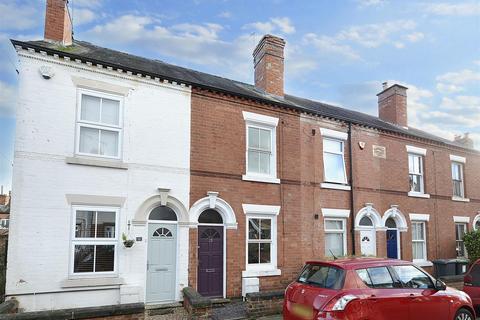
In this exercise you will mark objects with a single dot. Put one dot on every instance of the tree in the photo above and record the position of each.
(471, 240)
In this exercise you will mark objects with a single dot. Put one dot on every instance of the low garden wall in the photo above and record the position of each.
(133, 311)
(264, 303)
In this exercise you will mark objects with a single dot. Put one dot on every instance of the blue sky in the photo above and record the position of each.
(337, 51)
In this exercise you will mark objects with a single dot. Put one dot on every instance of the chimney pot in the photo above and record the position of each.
(392, 104)
(268, 60)
(58, 24)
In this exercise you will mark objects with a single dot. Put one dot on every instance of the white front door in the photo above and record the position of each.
(161, 264)
(368, 242)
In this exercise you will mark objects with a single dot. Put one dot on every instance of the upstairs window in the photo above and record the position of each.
(261, 154)
(334, 161)
(415, 171)
(457, 178)
(99, 126)
(259, 150)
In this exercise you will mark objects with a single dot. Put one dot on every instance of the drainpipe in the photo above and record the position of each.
(352, 207)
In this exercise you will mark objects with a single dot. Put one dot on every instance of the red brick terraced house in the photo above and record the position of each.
(225, 187)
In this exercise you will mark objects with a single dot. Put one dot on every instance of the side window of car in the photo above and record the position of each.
(411, 277)
(381, 277)
(363, 274)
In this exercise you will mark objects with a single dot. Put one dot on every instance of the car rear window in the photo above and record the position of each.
(322, 276)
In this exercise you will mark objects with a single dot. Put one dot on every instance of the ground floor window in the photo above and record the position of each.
(259, 240)
(419, 242)
(94, 240)
(335, 237)
(460, 230)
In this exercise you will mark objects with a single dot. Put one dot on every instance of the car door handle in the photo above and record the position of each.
(373, 298)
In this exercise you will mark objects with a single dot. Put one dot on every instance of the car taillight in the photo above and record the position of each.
(339, 303)
(467, 280)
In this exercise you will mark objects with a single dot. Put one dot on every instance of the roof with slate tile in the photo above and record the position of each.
(87, 52)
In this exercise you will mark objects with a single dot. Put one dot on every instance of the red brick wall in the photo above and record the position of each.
(218, 162)
(58, 26)
(269, 65)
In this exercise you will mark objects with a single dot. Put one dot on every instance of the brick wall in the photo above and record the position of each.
(218, 162)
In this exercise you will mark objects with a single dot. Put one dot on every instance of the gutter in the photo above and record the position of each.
(352, 205)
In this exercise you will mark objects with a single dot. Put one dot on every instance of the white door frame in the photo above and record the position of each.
(224, 253)
(149, 222)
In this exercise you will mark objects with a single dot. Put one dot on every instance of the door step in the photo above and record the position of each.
(162, 308)
(235, 310)
(219, 302)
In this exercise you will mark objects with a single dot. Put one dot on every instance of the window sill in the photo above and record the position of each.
(327, 185)
(114, 164)
(261, 273)
(91, 282)
(418, 195)
(423, 263)
(454, 198)
(255, 178)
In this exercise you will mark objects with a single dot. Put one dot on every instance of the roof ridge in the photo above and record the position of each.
(172, 72)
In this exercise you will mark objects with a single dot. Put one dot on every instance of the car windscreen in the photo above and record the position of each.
(328, 277)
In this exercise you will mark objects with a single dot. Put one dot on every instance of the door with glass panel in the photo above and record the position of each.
(368, 243)
(161, 265)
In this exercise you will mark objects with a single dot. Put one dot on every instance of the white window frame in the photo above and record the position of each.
(253, 211)
(457, 240)
(421, 174)
(337, 136)
(93, 241)
(336, 231)
(342, 153)
(96, 125)
(423, 241)
(462, 180)
(259, 121)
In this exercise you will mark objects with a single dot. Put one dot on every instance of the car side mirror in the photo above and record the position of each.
(439, 285)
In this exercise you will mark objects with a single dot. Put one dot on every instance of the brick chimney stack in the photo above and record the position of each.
(392, 104)
(268, 63)
(58, 24)
(464, 140)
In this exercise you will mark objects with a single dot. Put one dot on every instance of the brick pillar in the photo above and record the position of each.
(58, 24)
(268, 62)
(392, 105)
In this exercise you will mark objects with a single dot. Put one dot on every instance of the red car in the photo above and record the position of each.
(371, 288)
(471, 283)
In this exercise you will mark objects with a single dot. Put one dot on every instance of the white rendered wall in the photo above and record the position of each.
(156, 148)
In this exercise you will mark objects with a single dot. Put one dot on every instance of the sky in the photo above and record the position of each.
(338, 52)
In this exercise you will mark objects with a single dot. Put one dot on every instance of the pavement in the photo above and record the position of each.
(275, 317)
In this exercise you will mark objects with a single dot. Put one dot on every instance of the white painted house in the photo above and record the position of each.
(97, 151)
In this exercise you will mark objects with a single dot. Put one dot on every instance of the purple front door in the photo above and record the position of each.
(210, 261)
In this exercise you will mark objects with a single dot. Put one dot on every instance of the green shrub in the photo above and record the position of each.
(471, 240)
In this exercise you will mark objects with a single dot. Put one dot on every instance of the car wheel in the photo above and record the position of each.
(463, 314)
